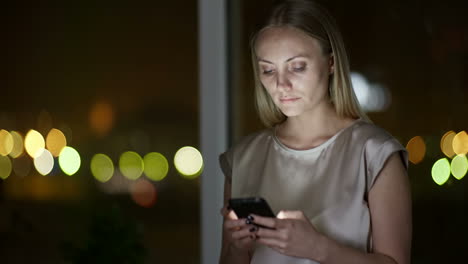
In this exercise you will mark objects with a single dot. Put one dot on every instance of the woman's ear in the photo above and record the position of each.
(331, 64)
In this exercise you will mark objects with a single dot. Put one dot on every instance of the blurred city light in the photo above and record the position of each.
(69, 160)
(189, 162)
(416, 149)
(101, 118)
(55, 141)
(34, 143)
(143, 193)
(5, 167)
(44, 162)
(371, 97)
(44, 122)
(459, 166)
(446, 144)
(441, 171)
(460, 143)
(18, 144)
(22, 165)
(6, 142)
(155, 166)
(131, 165)
(102, 167)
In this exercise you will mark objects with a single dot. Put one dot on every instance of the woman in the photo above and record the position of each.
(338, 182)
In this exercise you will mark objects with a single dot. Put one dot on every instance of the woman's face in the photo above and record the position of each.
(293, 69)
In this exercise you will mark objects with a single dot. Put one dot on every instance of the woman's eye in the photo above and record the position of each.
(299, 69)
(267, 72)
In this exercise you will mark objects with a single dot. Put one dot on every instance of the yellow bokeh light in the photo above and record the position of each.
(34, 143)
(446, 144)
(102, 167)
(156, 166)
(441, 171)
(459, 166)
(189, 162)
(44, 162)
(6, 142)
(55, 141)
(5, 167)
(18, 145)
(460, 143)
(131, 165)
(69, 160)
(101, 118)
(416, 149)
(143, 193)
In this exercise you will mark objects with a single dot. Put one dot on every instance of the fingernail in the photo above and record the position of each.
(250, 217)
(253, 229)
(248, 221)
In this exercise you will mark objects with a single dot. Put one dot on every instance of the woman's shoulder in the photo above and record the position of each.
(253, 140)
(368, 131)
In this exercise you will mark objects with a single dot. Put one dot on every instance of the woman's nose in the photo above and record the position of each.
(283, 82)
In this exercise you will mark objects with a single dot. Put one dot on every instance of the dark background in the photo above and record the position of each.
(60, 59)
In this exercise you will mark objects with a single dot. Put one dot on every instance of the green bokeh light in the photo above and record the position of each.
(5, 167)
(102, 167)
(155, 166)
(459, 166)
(189, 162)
(69, 160)
(131, 165)
(441, 171)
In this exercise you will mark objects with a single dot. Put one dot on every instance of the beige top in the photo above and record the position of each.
(329, 183)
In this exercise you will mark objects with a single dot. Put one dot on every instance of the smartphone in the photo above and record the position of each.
(251, 205)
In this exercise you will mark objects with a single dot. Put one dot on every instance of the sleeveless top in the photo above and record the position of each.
(329, 183)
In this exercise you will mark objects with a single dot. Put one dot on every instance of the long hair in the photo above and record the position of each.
(315, 21)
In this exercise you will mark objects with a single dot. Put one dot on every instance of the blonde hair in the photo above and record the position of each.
(315, 21)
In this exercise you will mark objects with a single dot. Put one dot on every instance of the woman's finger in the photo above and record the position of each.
(246, 231)
(271, 242)
(263, 221)
(269, 233)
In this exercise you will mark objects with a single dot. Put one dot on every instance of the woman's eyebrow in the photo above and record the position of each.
(287, 60)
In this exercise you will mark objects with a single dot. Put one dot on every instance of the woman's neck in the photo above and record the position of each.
(311, 129)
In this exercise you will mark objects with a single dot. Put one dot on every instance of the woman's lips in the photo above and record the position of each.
(288, 100)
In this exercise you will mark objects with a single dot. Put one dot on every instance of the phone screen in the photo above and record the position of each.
(252, 205)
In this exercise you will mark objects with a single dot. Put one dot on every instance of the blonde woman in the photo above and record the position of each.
(337, 182)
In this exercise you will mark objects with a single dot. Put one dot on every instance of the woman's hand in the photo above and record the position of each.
(291, 234)
(239, 232)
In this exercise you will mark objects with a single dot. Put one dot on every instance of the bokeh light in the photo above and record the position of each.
(441, 171)
(189, 162)
(6, 142)
(155, 166)
(131, 165)
(143, 193)
(102, 167)
(459, 166)
(5, 167)
(55, 141)
(44, 162)
(34, 143)
(416, 149)
(371, 97)
(69, 160)
(460, 143)
(18, 145)
(22, 165)
(101, 118)
(446, 144)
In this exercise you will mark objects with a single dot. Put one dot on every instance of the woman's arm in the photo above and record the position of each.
(390, 209)
(229, 252)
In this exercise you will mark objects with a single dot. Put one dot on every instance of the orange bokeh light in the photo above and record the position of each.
(143, 193)
(101, 118)
(416, 149)
(446, 144)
